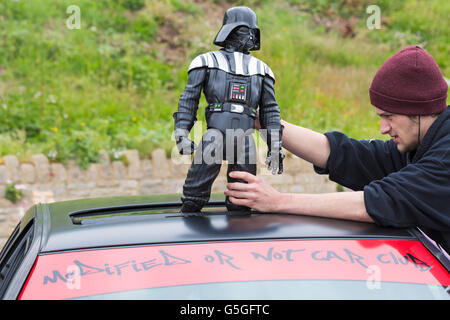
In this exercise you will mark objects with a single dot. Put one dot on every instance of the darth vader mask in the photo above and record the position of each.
(242, 39)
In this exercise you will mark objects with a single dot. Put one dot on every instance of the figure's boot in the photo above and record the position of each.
(190, 207)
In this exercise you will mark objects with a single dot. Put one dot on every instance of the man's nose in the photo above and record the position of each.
(384, 126)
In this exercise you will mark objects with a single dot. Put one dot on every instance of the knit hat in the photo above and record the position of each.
(409, 83)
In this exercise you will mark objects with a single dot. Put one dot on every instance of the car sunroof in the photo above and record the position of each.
(99, 215)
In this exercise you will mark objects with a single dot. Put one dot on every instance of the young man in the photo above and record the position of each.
(402, 182)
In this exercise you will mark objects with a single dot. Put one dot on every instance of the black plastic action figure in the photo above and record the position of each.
(235, 84)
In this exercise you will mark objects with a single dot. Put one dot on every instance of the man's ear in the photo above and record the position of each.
(415, 119)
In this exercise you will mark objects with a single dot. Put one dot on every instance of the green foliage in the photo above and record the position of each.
(187, 7)
(12, 193)
(109, 86)
(342, 8)
(418, 22)
(132, 4)
(145, 28)
(83, 146)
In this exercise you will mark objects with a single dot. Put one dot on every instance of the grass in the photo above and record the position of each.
(114, 84)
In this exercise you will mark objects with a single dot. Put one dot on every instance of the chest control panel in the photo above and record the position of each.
(238, 92)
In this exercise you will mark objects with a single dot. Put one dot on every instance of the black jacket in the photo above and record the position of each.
(400, 190)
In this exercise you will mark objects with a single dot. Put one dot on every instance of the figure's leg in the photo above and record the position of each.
(245, 162)
(201, 175)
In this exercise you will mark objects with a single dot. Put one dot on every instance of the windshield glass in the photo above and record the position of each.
(283, 269)
(284, 290)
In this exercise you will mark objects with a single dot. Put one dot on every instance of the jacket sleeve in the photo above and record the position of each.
(355, 163)
(189, 99)
(417, 195)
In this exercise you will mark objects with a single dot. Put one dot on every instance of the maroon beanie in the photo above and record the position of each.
(409, 83)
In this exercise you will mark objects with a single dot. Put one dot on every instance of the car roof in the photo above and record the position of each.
(100, 222)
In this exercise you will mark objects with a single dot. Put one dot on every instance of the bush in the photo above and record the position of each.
(145, 28)
(83, 146)
(133, 5)
(13, 193)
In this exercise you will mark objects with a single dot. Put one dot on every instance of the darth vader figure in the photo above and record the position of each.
(237, 86)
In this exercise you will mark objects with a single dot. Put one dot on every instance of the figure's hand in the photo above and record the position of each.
(274, 161)
(255, 194)
(184, 144)
(275, 155)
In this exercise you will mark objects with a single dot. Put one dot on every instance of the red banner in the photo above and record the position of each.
(84, 273)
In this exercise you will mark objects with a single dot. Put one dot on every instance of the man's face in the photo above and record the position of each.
(402, 128)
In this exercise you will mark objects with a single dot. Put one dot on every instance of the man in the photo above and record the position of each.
(235, 85)
(402, 182)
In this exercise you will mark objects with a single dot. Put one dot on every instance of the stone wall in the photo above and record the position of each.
(44, 181)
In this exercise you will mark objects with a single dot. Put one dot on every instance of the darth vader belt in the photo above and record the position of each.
(232, 107)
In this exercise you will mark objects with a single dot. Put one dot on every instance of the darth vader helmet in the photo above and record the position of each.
(239, 19)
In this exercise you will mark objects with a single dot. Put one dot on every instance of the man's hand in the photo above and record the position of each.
(255, 194)
(258, 195)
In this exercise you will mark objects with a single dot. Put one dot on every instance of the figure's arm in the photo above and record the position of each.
(188, 102)
(187, 110)
(270, 120)
(269, 112)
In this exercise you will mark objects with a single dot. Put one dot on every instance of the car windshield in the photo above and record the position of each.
(282, 269)
(284, 290)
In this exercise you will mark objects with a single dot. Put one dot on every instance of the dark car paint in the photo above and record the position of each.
(55, 229)
(60, 233)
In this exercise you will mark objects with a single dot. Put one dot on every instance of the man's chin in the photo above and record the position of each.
(404, 149)
(400, 150)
